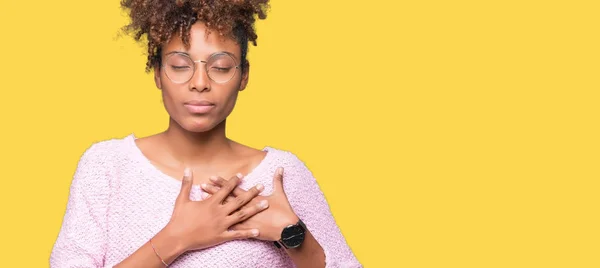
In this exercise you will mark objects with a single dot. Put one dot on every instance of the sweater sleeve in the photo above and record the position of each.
(310, 205)
(81, 241)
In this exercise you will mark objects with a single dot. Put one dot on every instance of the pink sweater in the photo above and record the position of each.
(118, 200)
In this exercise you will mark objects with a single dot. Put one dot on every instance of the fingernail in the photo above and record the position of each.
(280, 171)
(213, 178)
(260, 187)
(263, 204)
(239, 175)
(203, 186)
(255, 232)
(187, 174)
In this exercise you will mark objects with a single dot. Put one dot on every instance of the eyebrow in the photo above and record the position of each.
(188, 54)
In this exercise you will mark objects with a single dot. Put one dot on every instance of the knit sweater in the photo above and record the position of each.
(118, 200)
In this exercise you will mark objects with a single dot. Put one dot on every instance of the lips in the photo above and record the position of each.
(199, 103)
(199, 106)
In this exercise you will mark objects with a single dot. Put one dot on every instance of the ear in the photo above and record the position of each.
(157, 80)
(245, 77)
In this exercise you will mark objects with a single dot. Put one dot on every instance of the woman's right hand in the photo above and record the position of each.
(206, 223)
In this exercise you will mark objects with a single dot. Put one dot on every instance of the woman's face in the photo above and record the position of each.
(199, 104)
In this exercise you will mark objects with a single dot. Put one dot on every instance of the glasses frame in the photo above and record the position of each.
(237, 67)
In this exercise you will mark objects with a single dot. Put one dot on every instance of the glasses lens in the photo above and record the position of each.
(179, 68)
(221, 68)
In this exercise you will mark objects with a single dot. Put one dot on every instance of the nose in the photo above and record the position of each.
(200, 81)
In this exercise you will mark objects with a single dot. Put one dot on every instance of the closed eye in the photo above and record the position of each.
(220, 69)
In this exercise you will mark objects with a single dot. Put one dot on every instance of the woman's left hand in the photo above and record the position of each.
(271, 221)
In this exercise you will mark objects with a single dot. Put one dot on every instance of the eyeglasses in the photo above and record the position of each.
(180, 68)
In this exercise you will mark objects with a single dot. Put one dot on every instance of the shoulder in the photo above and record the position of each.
(105, 152)
(299, 180)
(98, 164)
(290, 161)
(282, 154)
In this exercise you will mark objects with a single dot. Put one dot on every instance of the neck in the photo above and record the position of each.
(196, 148)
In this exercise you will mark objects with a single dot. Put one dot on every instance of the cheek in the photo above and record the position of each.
(173, 99)
(229, 102)
(169, 100)
(230, 95)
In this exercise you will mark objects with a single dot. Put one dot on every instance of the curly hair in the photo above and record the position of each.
(159, 20)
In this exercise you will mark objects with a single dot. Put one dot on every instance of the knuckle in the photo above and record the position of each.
(229, 199)
(241, 214)
(239, 201)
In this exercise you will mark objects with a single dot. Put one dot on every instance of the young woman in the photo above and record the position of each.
(189, 196)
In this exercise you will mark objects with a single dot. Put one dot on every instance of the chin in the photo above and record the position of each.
(198, 124)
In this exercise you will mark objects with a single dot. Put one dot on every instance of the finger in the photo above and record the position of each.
(278, 181)
(240, 226)
(218, 181)
(205, 196)
(186, 186)
(247, 212)
(211, 189)
(226, 189)
(243, 199)
(240, 234)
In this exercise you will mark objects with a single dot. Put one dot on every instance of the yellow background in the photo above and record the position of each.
(443, 133)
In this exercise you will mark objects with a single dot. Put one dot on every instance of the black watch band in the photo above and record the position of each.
(292, 236)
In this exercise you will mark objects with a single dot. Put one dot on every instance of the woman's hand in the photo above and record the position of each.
(271, 221)
(206, 223)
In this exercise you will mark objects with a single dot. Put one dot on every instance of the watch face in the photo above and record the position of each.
(292, 236)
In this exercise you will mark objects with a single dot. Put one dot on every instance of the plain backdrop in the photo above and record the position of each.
(443, 133)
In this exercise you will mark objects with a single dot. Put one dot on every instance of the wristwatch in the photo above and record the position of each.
(292, 236)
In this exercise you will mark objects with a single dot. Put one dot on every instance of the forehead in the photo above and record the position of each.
(203, 45)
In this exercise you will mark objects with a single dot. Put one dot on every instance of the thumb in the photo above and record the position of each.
(186, 185)
(278, 181)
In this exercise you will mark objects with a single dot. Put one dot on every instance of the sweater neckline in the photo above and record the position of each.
(139, 155)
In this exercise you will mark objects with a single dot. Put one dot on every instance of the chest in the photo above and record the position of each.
(141, 207)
